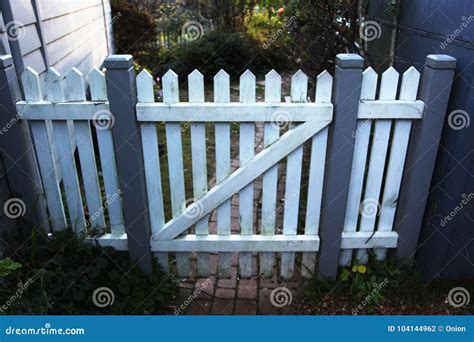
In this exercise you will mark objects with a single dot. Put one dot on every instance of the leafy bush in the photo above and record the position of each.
(61, 273)
(233, 52)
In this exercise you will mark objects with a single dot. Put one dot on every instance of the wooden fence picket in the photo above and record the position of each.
(222, 133)
(199, 164)
(299, 91)
(246, 153)
(175, 163)
(270, 178)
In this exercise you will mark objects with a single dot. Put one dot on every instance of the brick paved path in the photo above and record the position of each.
(203, 296)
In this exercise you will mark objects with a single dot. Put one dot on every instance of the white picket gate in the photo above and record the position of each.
(377, 167)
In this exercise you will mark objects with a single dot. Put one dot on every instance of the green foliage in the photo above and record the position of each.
(358, 283)
(233, 52)
(8, 266)
(62, 273)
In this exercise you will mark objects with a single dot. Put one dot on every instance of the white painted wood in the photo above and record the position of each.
(370, 205)
(97, 84)
(175, 164)
(221, 244)
(226, 112)
(246, 153)
(44, 154)
(391, 109)
(299, 89)
(55, 92)
(240, 178)
(199, 165)
(222, 140)
(359, 161)
(270, 178)
(76, 92)
(259, 243)
(398, 151)
(151, 158)
(316, 174)
(221, 112)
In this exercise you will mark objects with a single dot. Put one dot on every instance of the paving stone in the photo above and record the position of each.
(247, 289)
(265, 307)
(222, 306)
(245, 307)
(224, 293)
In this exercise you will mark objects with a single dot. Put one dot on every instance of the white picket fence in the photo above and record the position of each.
(381, 141)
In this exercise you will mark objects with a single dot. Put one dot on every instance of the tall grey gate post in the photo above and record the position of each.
(121, 91)
(346, 95)
(435, 89)
(16, 149)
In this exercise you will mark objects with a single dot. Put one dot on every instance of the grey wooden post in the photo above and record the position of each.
(121, 91)
(17, 150)
(435, 88)
(345, 98)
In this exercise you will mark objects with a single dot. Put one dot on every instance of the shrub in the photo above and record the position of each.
(60, 274)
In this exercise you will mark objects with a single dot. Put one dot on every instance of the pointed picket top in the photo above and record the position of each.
(97, 84)
(222, 87)
(31, 85)
(369, 84)
(323, 87)
(145, 87)
(389, 84)
(170, 87)
(410, 82)
(75, 86)
(272, 86)
(299, 86)
(54, 86)
(247, 87)
(196, 86)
